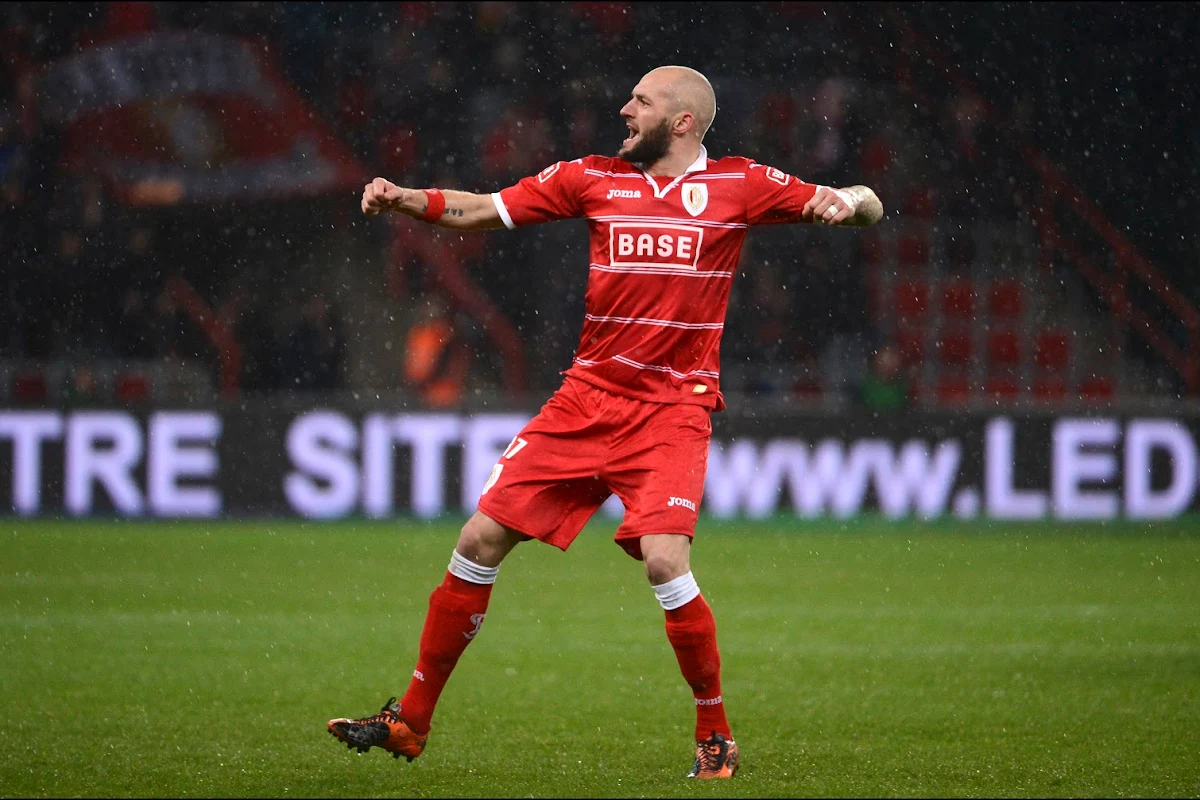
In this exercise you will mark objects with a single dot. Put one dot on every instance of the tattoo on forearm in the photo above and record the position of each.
(454, 212)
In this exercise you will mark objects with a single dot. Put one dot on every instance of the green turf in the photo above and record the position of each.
(860, 659)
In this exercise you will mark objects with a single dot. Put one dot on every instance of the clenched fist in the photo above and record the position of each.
(383, 195)
(829, 206)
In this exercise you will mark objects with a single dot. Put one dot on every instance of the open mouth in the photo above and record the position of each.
(633, 134)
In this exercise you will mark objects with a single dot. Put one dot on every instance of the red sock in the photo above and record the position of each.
(456, 611)
(692, 631)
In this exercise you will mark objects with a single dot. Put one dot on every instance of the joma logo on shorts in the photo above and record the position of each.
(632, 194)
(679, 501)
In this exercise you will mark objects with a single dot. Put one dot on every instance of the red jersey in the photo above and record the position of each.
(663, 255)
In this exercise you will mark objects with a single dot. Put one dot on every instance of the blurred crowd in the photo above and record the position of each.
(472, 96)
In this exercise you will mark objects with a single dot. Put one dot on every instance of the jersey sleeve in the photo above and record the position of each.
(774, 197)
(551, 194)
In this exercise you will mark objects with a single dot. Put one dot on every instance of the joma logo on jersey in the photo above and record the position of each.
(632, 244)
(632, 194)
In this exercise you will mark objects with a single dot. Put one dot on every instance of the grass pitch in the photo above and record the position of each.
(860, 659)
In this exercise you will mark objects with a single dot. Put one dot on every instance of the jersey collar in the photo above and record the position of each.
(699, 165)
(701, 162)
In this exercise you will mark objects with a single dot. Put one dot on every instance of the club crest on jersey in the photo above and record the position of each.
(545, 174)
(695, 197)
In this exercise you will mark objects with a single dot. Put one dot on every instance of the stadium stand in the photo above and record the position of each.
(957, 277)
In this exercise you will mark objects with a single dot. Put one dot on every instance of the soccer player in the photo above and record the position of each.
(667, 225)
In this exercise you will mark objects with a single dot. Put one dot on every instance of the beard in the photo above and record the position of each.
(652, 144)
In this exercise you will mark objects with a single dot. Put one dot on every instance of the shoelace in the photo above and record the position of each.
(386, 714)
(710, 756)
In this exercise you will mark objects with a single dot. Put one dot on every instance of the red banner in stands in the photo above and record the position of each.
(182, 117)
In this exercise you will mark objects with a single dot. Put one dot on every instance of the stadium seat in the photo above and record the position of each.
(354, 104)
(1050, 388)
(958, 299)
(953, 390)
(912, 250)
(1051, 349)
(1007, 300)
(954, 348)
(872, 248)
(30, 388)
(1097, 387)
(611, 21)
(960, 251)
(911, 344)
(1004, 348)
(918, 203)
(1002, 388)
(911, 299)
(131, 388)
(807, 388)
(874, 287)
(397, 150)
(777, 115)
(877, 156)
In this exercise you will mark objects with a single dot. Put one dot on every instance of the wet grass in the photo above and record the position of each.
(860, 659)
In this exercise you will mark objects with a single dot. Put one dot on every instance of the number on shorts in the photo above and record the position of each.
(495, 476)
(515, 446)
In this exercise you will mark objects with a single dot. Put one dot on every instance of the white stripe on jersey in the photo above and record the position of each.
(600, 174)
(628, 362)
(662, 323)
(659, 368)
(702, 176)
(638, 365)
(691, 273)
(651, 220)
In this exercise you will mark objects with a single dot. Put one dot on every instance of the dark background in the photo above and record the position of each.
(942, 108)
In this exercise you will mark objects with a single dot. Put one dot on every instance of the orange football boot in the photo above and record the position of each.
(386, 729)
(715, 758)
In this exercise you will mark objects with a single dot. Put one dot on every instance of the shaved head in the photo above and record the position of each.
(687, 90)
(668, 113)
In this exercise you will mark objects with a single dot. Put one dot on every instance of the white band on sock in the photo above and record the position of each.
(677, 593)
(471, 572)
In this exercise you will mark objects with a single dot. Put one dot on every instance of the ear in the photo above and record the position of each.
(683, 123)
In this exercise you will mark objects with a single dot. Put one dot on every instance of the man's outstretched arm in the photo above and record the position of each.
(853, 205)
(463, 211)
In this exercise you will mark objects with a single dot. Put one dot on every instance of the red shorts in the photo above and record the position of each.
(587, 444)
